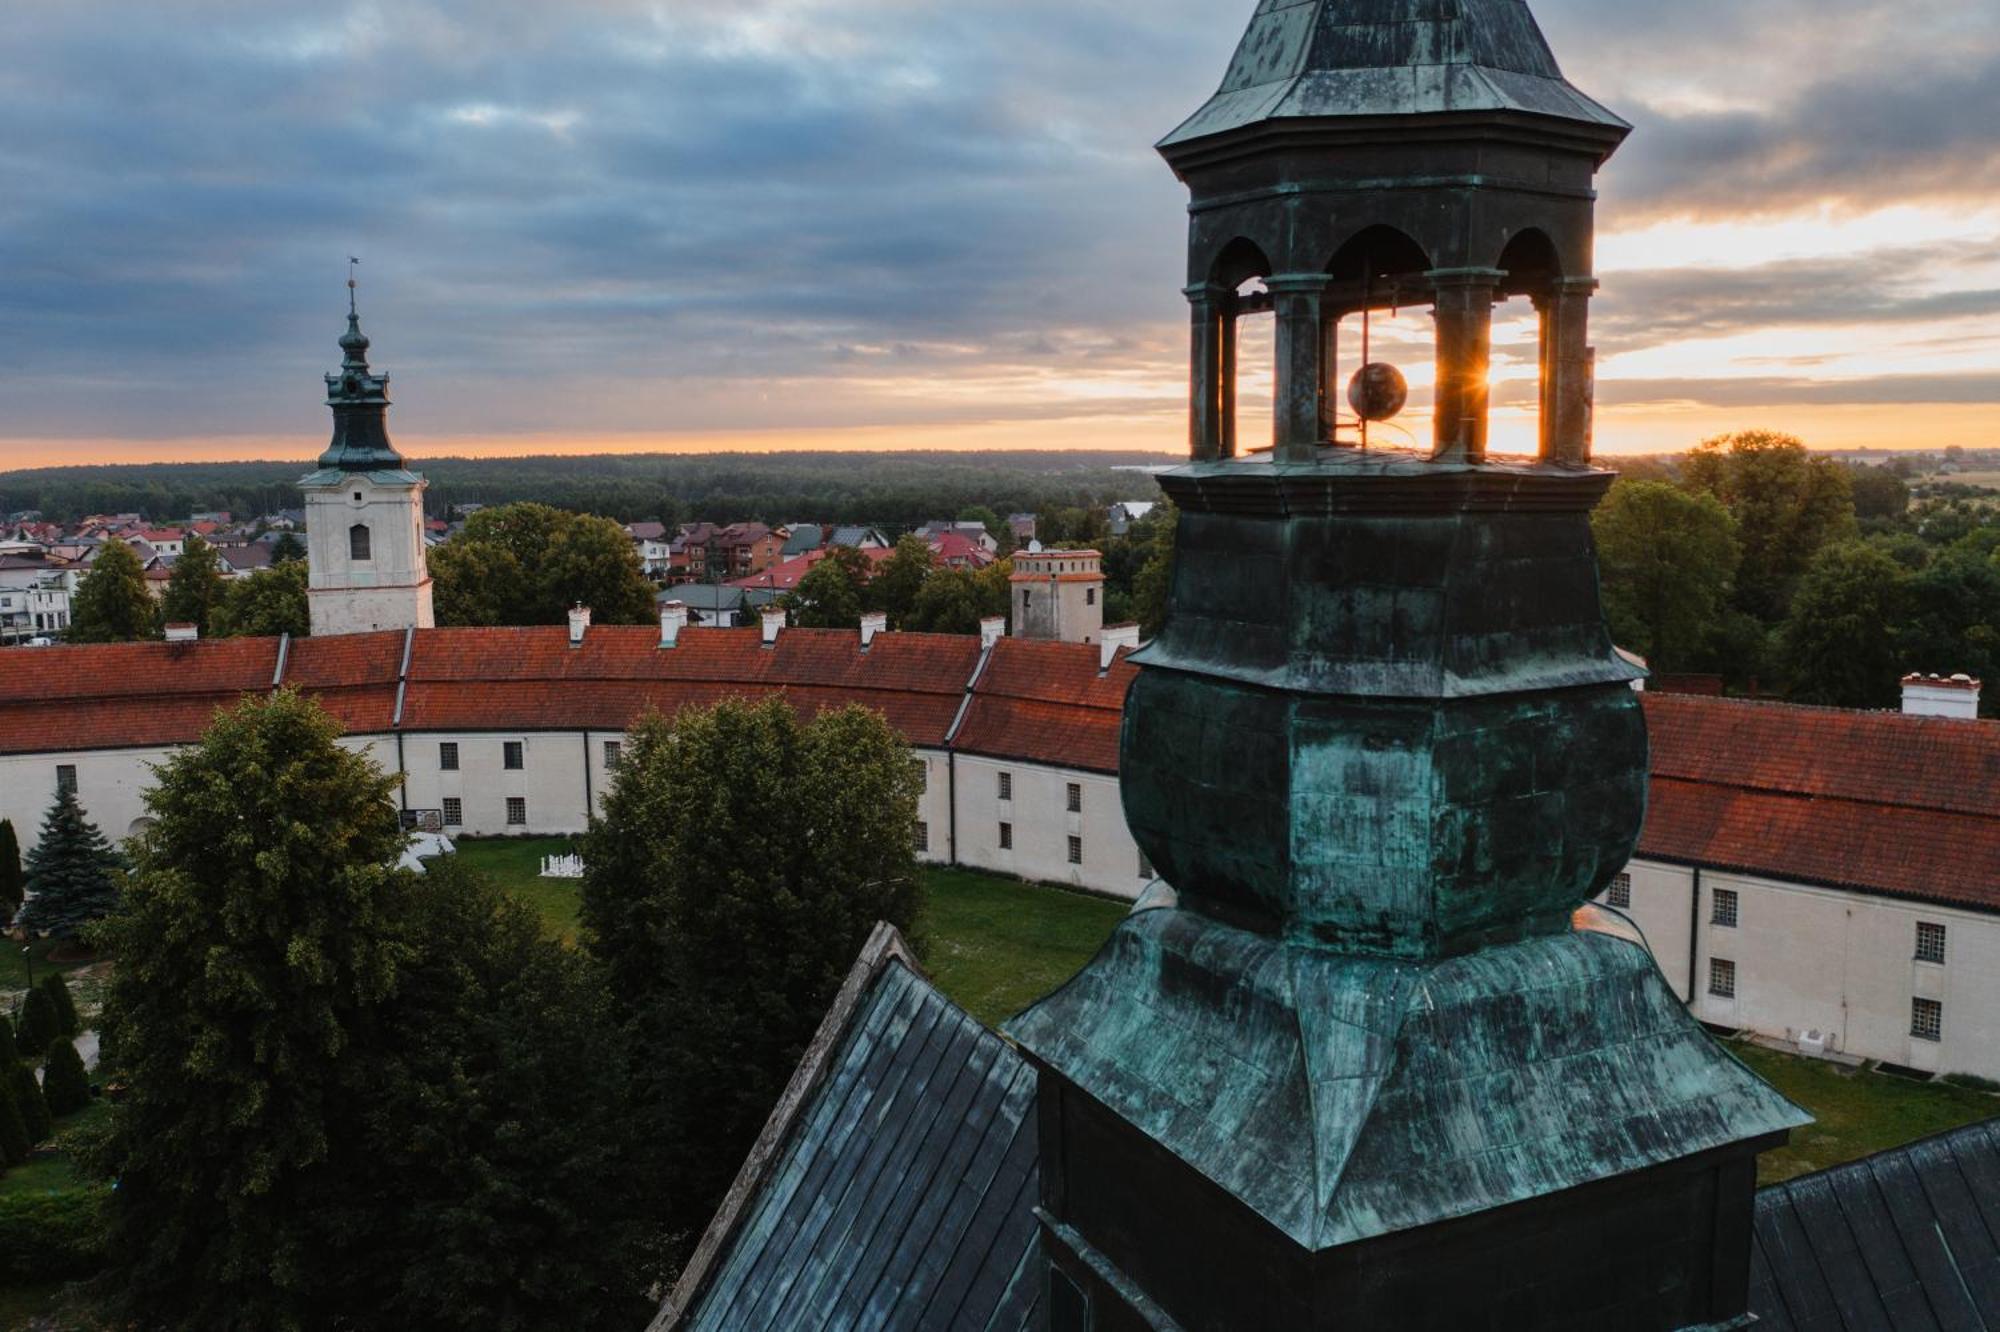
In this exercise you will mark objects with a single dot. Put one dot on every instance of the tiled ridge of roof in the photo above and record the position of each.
(137, 670)
(1882, 758)
(1050, 703)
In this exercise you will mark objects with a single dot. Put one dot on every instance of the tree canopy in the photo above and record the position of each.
(829, 596)
(1788, 506)
(288, 548)
(356, 1098)
(740, 862)
(265, 604)
(528, 563)
(112, 604)
(72, 874)
(195, 589)
(1668, 560)
(1838, 642)
(898, 579)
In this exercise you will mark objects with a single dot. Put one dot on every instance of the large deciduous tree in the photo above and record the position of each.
(829, 596)
(72, 874)
(741, 860)
(112, 604)
(898, 579)
(1839, 640)
(356, 1097)
(1668, 559)
(195, 589)
(1788, 506)
(529, 564)
(265, 604)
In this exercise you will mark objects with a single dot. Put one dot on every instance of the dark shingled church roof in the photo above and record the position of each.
(1315, 59)
(895, 1184)
(895, 1189)
(1907, 1241)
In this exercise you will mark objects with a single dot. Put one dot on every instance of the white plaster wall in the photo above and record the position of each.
(110, 788)
(1043, 825)
(550, 779)
(1840, 963)
(934, 806)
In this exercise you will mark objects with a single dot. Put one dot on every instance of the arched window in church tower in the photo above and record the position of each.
(358, 542)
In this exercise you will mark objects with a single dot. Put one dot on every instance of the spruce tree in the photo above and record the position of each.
(195, 589)
(112, 604)
(68, 1021)
(36, 1024)
(72, 873)
(14, 1147)
(65, 1084)
(28, 1101)
(11, 874)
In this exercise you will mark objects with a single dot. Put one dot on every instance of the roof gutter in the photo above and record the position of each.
(284, 655)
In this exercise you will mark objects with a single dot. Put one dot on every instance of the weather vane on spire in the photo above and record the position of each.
(352, 264)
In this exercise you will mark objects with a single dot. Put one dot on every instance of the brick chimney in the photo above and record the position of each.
(579, 624)
(873, 623)
(673, 619)
(1937, 696)
(182, 633)
(991, 630)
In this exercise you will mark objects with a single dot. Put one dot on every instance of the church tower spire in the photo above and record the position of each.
(364, 508)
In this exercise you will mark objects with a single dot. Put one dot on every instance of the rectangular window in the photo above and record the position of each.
(923, 837)
(517, 812)
(1006, 786)
(65, 779)
(1075, 798)
(1725, 909)
(448, 756)
(1927, 1019)
(515, 758)
(1006, 837)
(1930, 942)
(1619, 894)
(1090, 596)
(1721, 978)
(454, 812)
(1076, 850)
(614, 754)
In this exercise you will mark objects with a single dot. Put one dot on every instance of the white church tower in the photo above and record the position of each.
(364, 509)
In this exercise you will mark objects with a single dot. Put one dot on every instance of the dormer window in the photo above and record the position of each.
(358, 542)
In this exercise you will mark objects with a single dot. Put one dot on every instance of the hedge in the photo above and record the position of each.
(53, 1236)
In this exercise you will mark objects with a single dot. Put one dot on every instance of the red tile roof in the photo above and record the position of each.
(1044, 702)
(1880, 802)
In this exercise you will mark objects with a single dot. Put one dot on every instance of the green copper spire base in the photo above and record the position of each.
(1345, 1098)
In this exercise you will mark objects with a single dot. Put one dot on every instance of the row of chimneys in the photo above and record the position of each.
(674, 618)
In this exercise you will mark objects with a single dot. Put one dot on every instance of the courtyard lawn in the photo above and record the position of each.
(1860, 1112)
(997, 945)
(515, 863)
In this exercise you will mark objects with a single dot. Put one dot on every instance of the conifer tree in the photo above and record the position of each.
(195, 589)
(65, 1084)
(72, 875)
(112, 604)
(286, 549)
(28, 1101)
(36, 1024)
(68, 1021)
(11, 874)
(14, 1147)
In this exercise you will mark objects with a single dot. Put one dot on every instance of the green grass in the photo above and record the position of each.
(997, 945)
(515, 863)
(1860, 1112)
(14, 966)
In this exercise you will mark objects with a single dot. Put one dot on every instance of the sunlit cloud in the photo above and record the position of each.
(636, 222)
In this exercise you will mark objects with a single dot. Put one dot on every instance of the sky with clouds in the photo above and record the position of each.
(876, 223)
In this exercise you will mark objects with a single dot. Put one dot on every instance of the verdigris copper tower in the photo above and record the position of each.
(1354, 1068)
